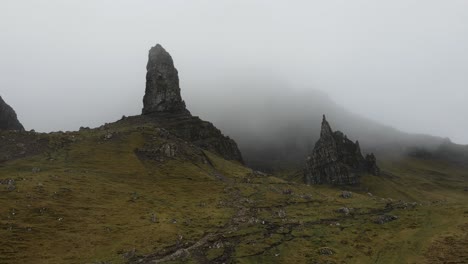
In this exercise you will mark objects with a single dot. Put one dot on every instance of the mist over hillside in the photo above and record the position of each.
(276, 126)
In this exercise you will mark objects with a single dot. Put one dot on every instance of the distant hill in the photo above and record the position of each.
(276, 127)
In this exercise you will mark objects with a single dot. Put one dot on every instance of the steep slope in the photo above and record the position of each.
(8, 118)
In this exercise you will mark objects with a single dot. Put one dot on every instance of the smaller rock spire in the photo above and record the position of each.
(337, 160)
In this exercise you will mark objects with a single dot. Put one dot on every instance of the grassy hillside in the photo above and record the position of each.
(115, 195)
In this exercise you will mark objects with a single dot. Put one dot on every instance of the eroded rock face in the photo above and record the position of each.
(337, 160)
(163, 104)
(162, 84)
(8, 118)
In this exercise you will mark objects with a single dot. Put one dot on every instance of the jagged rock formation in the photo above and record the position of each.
(162, 84)
(8, 118)
(163, 104)
(337, 160)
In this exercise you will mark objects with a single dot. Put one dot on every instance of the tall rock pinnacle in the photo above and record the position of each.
(162, 84)
(337, 160)
(8, 118)
(163, 104)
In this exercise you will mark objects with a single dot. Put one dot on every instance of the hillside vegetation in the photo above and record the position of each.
(126, 193)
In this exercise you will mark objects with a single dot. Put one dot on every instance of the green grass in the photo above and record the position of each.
(93, 201)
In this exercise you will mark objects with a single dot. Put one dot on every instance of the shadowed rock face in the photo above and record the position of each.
(8, 118)
(163, 104)
(162, 84)
(337, 160)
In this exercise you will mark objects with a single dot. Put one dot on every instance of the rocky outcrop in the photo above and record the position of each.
(8, 118)
(162, 84)
(163, 105)
(337, 160)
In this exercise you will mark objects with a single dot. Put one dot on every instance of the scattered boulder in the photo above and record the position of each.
(159, 151)
(8, 118)
(337, 160)
(168, 149)
(346, 194)
(344, 210)
(10, 184)
(326, 251)
(108, 136)
(382, 219)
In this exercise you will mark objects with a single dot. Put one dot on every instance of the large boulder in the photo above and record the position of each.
(8, 118)
(337, 160)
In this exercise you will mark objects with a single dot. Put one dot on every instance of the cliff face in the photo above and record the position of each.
(163, 104)
(337, 160)
(8, 118)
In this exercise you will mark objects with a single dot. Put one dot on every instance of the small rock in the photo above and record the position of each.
(108, 136)
(36, 170)
(326, 251)
(129, 254)
(154, 219)
(344, 210)
(382, 219)
(346, 194)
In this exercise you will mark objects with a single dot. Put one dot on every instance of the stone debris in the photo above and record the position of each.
(10, 184)
(326, 251)
(382, 219)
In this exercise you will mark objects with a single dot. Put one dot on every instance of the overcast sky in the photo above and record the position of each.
(66, 64)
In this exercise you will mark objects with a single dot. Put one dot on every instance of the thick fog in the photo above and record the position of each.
(66, 64)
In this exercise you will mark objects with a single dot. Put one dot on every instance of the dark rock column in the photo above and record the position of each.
(162, 84)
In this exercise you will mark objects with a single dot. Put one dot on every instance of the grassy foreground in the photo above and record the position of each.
(92, 197)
